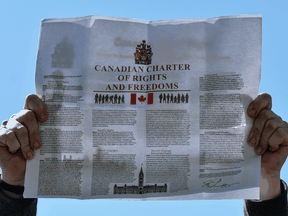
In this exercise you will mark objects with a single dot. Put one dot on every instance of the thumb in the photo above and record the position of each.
(34, 103)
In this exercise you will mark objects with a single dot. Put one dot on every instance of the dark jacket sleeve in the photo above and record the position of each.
(16, 206)
(276, 206)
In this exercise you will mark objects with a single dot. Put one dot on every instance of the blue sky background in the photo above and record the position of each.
(19, 33)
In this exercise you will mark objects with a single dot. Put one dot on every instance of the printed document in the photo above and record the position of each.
(150, 110)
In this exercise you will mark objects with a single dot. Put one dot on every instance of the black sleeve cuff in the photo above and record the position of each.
(14, 189)
(276, 206)
(15, 206)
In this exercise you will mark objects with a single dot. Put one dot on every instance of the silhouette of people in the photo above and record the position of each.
(100, 98)
(182, 98)
(106, 98)
(96, 98)
(109, 99)
(170, 98)
(175, 99)
(160, 97)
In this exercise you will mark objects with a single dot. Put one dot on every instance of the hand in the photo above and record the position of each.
(19, 137)
(269, 137)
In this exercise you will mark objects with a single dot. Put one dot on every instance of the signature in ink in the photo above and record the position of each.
(214, 183)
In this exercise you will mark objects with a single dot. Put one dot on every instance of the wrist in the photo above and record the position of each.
(11, 190)
(11, 181)
(269, 186)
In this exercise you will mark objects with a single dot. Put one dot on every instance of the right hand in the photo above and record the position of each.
(269, 137)
(19, 137)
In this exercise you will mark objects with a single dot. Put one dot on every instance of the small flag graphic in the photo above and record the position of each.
(141, 98)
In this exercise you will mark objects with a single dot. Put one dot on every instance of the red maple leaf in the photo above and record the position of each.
(141, 99)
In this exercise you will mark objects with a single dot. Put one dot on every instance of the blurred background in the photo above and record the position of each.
(19, 34)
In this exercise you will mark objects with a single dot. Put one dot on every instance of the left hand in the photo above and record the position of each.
(19, 137)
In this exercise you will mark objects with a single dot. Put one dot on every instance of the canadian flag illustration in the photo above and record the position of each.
(141, 98)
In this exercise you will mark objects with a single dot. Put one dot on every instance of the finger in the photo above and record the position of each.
(279, 137)
(12, 116)
(8, 139)
(28, 119)
(4, 123)
(21, 133)
(262, 101)
(34, 103)
(270, 127)
(257, 128)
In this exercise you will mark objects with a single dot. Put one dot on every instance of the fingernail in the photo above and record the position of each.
(259, 150)
(43, 116)
(29, 155)
(252, 141)
(36, 144)
(252, 112)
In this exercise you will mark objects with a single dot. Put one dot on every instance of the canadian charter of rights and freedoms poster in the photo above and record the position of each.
(147, 110)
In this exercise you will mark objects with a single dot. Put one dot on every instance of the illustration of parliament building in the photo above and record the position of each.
(140, 189)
